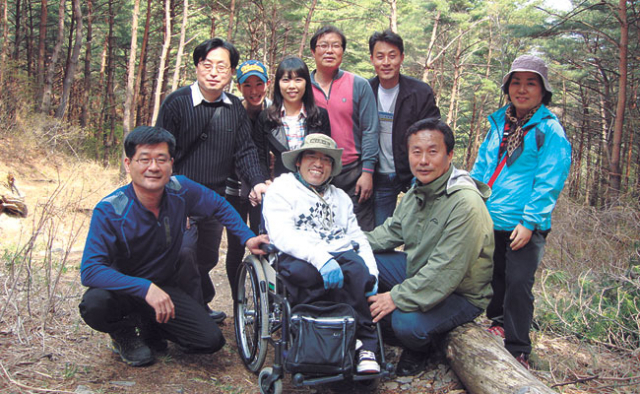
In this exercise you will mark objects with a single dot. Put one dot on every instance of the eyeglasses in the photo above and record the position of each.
(324, 46)
(220, 67)
(146, 161)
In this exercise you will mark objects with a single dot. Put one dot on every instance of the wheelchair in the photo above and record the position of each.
(262, 316)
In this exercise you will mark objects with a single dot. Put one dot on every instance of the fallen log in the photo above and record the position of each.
(12, 204)
(484, 366)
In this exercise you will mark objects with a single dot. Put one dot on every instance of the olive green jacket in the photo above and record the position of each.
(448, 237)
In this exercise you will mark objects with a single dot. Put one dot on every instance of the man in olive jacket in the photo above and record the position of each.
(443, 277)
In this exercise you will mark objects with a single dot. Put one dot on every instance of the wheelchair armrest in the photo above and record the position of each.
(268, 248)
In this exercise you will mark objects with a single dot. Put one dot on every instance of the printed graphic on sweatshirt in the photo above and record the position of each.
(320, 220)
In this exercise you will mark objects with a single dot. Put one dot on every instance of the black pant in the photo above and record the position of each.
(235, 250)
(513, 277)
(198, 255)
(305, 285)
(192, 328)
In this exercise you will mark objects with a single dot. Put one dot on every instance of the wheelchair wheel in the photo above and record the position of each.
(265, 388)
(251, 312)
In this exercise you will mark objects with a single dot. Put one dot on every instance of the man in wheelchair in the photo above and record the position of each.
(312, 223)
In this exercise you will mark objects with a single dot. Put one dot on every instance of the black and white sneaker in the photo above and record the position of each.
(367, 362)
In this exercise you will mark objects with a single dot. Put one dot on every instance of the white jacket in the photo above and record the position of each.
(293, 219)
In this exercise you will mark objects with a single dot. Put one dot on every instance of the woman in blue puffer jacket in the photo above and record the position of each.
(525, 159)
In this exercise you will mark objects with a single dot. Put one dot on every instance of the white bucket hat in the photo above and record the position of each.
(529, 63)
(319, 143)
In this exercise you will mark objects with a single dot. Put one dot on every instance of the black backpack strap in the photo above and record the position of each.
(201, 138)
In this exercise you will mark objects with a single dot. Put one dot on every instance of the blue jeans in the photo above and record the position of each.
(416, 329)
(385, 195)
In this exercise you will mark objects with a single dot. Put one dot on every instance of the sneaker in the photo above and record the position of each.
(367, 362)
(497, 331)
(131, 348)
(411, 363)
(523, 359)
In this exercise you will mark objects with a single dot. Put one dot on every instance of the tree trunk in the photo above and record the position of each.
(140, 92)
(48, 84)
(86, 94)
(29, 38)
(41, 46)
(127, 118)
(18, 34)
(183, 32)
(163, 60)
(73, 62)
(485, 367)
(108, 125)
(454, 87)
(305, 32)
(393, 16)
(232, 14)
(429, 62)
(614, 162)
(5, 41)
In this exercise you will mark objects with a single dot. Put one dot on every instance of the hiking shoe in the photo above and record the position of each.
(523, 359)
(497, 331)
(131, 348)
(217, 316)
(411, 363)
(367, 362)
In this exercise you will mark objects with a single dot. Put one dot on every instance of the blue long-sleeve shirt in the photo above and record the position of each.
(128, 248)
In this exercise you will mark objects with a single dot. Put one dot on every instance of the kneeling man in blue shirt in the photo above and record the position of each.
(130, 260)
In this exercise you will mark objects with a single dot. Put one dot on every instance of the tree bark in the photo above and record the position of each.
(305, 32)
(5, 41)
(232, 14)
(86, 93)
(485, 367)
(48, 84)
(109, 100)
(429, 62)
(73, 62)
(18, 33)
(127, 118)
(140, 92)
(163, 60)
(393, 16)
(614, 162)
(41, 46)
(183, 32)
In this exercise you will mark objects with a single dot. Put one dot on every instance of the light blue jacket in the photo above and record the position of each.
(527, 188)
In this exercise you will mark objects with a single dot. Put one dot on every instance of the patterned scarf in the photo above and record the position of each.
(515, 138)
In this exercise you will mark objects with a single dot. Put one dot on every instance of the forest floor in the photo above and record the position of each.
(46, 347)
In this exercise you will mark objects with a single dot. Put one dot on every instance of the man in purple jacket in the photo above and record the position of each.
(131, 254)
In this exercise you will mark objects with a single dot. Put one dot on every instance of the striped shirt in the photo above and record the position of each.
(228, 142)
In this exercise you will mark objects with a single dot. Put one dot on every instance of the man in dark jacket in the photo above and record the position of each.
(213, 135)
(131, 255)
(402, 101)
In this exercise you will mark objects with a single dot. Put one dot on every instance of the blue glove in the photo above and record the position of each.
(373, 291)
(332, 275)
